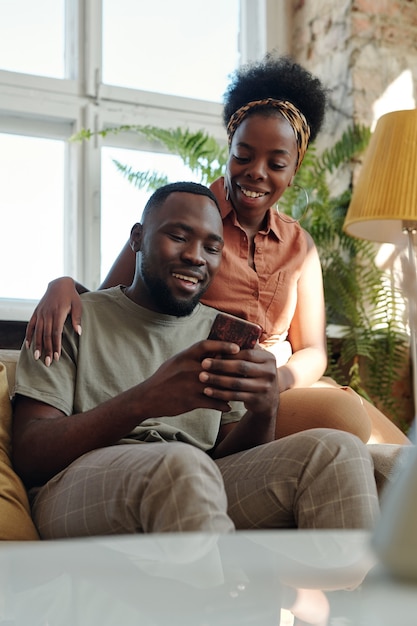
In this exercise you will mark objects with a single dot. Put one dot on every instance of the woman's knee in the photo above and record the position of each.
(337, 408)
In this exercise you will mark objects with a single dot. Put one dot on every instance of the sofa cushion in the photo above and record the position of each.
(389, 461)
(15, 520)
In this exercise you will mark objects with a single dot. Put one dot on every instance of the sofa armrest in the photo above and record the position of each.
(10, 358)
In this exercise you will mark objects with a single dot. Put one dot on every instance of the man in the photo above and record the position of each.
(143, 425)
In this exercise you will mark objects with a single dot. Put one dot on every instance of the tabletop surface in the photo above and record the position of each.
(280, 578)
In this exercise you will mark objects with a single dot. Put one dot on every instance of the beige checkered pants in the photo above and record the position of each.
(315, 479)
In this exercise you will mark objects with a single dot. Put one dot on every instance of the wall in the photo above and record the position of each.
(365, 51)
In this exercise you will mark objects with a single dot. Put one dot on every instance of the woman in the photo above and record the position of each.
(270, 270)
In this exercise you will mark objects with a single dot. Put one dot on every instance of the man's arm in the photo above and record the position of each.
(45, 441)
(307, 333)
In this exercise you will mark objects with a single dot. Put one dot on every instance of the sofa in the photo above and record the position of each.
(15, 520)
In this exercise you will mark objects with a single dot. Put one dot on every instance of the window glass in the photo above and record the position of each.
(31, 214)
(121, 202)
(32, 37)
(184, 48)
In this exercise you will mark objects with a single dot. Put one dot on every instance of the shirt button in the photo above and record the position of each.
(256, 294)
(258, 250)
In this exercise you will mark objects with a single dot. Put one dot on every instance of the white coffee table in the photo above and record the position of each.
(259, 577)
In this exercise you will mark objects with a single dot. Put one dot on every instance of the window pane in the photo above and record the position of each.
(184, 47)
(32, 37)
(121, 202)
(31, 210)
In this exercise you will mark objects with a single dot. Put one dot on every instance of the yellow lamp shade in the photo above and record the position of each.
(384, 199)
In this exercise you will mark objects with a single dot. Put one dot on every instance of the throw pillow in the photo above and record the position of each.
(15, 521)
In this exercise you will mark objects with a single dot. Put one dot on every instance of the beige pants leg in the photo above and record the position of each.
(319, 478)
(134, 488)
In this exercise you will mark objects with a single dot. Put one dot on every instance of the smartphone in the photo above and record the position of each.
(228, 327)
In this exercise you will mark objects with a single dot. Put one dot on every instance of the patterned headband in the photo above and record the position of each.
(288, 111)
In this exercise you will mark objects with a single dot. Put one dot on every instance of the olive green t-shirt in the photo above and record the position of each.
(122, 344)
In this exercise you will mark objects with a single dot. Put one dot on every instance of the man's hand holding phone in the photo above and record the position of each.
(250, 376)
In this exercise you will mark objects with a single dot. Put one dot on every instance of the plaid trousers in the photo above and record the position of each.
(319, 478)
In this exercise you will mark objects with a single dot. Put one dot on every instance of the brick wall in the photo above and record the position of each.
(365, 51)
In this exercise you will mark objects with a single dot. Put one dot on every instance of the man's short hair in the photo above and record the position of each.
(158, 198)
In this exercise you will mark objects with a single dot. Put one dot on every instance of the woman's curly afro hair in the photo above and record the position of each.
(280, 78)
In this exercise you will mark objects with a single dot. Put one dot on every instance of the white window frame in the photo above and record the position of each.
(55, 108)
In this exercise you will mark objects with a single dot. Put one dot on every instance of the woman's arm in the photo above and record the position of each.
(47, 321)
(122, 270)
(62, 299)
(307, 333)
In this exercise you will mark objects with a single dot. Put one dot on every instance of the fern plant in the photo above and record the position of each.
(199, 151)
(359, 297)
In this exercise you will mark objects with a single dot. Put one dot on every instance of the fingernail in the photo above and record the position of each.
(36, 355)
(56, 356)
(79, 330)
(27, 346)
(47, 361)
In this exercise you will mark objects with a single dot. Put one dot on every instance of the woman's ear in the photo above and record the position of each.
(291, 181)
(136, 237)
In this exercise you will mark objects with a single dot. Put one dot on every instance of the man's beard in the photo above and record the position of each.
(163, 297)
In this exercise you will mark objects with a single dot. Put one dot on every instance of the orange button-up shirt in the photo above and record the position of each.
(268, 295)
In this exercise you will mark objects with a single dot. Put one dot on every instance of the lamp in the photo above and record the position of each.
(383, 207)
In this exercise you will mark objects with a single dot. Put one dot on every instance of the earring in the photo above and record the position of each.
(226, 191)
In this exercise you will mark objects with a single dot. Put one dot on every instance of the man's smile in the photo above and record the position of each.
(191, 279)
